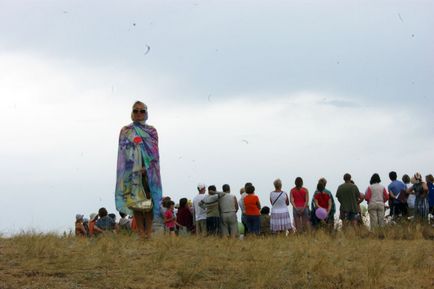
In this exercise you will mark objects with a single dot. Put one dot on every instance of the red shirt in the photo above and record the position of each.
(170, 222)
(299, 196)
(323, 200)
(250, 205)
(92, 227)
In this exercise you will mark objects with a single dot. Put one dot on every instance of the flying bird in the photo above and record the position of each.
(147, 49)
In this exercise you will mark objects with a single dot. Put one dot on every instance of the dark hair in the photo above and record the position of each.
(347, 177)
(393, 176)
(250, 189)
(323, 180)
(102, 212)
(123, 215)
(375, 179)
(165, 202)
(265, 210)
(406, 179)
(247, 184)
(320, 187)
(212, 188)
(113, 216)
(298, 182)
(226, 188)
(429, 178)
(183, 202)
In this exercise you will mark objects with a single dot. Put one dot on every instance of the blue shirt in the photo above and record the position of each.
(431, 194)
(106, 223)
(396, 187)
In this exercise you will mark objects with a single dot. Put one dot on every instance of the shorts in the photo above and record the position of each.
(171, 229)
(303, 214)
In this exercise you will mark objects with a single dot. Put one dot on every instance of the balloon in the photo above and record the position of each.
(321, 213)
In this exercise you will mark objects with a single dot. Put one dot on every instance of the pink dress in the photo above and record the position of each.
(169, 215)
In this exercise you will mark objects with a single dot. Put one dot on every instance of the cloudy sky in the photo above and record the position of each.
(238, 91)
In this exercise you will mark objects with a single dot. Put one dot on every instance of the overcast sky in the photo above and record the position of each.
(238, 91)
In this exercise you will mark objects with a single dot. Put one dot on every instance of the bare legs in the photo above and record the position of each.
(144, 223)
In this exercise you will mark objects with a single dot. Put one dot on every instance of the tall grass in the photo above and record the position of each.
(398, 257)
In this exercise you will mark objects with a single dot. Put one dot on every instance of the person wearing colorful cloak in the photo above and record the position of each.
(138, 171)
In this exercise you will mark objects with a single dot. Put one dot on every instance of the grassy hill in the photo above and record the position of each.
(399, 258)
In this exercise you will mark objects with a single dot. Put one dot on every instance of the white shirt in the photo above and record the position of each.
(199, 213)
(241, 203)
(411, 200)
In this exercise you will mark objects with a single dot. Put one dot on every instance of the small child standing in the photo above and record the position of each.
(170, 219)
(79, 227)
(265, 221)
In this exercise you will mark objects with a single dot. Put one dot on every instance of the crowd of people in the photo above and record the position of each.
(138, 194)
(215, 213)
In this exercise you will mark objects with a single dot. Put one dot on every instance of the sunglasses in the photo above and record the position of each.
(139, 111)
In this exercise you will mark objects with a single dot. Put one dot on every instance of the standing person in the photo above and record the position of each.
(299, 196)
(243, 194)
(322, 200)
(170, 219)
(411, 198)
(228, 213)
(280, 221)
(331, 216)
(420, 190)
(252, 208)
(199, 212)
(138, 185)
(395, 188)
(211, 204)
(429, 182)
(265, 221)
(80, 231)
(184, 217)
(376, 195)
(348, 195)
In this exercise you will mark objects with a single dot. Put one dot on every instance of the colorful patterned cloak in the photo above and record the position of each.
(138, 149)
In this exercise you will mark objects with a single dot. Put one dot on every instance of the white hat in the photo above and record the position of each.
(92, 216)
(201, 186)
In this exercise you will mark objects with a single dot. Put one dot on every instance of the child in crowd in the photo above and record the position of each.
(113, 216)
(79, 227)
(124, 223)
(92, 220)
(170, 219)
(104, 223)
(265, 221)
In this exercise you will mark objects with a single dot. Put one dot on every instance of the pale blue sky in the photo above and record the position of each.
(318, 88)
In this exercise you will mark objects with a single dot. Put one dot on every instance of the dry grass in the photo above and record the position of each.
(399, 257)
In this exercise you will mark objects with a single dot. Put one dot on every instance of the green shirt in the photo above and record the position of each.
(348, 195)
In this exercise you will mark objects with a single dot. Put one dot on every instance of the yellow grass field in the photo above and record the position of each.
(400, 258)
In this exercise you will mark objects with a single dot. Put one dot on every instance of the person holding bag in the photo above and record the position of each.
(280, 220)
(138, 183)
